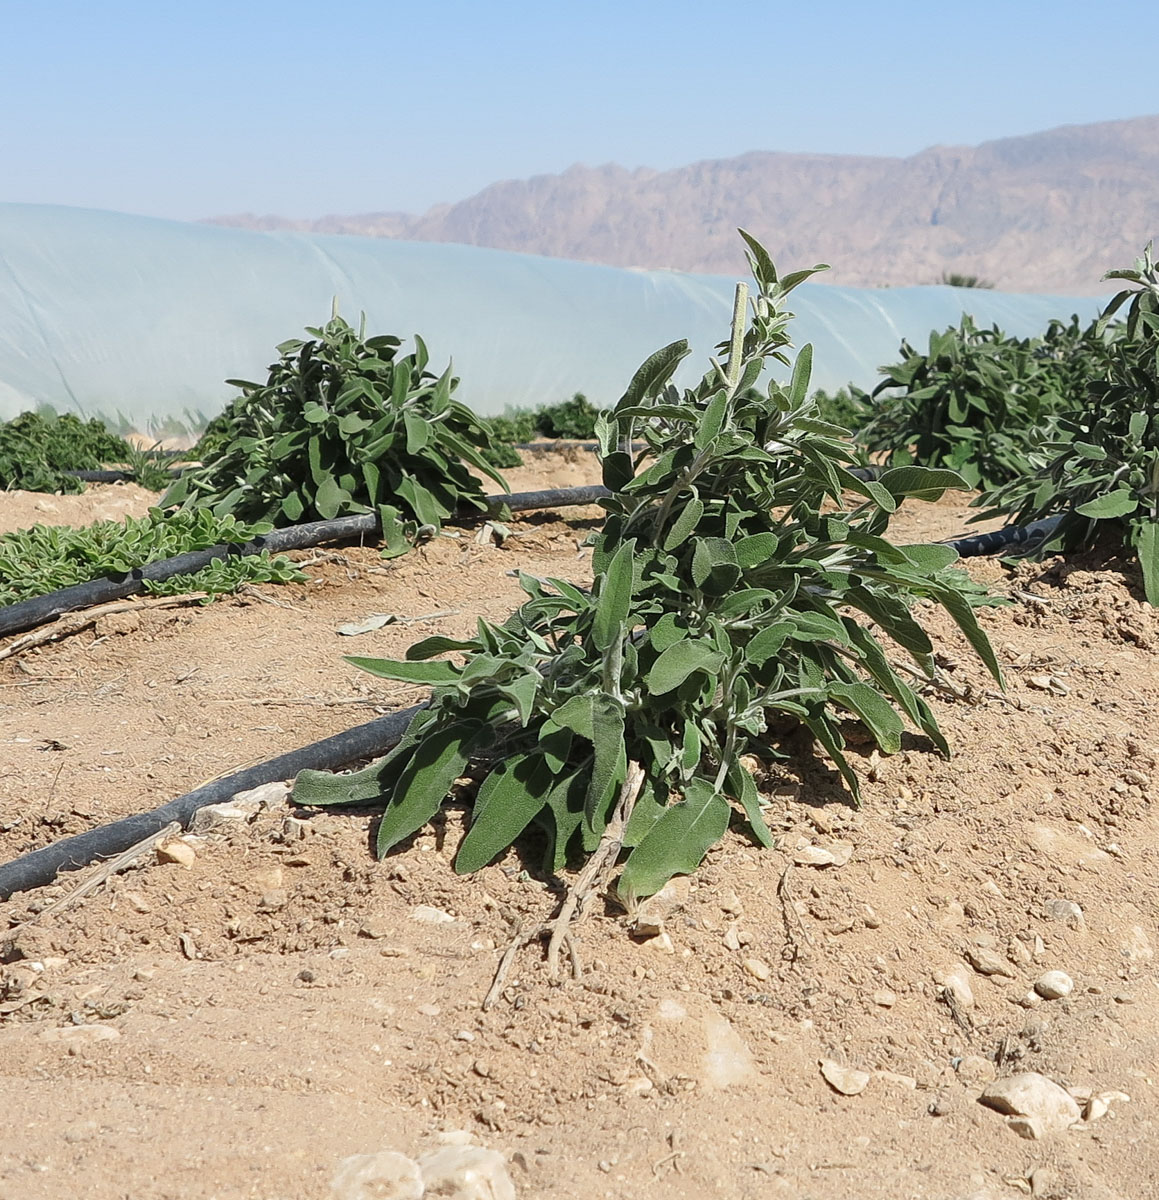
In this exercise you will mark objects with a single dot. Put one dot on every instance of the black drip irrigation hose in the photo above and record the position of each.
(106, 841)
(27, 614)
(1027, 536)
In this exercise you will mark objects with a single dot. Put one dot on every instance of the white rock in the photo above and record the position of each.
(466, 1173)
(1054, 985)
(382, 1176)
(1136, 945)
(986, 961)
(430, 915)
(757, 968)
(956, 980)
(847, 1080)
(727, 1058)
(1047, 1107)
(884, 998)
(1066, 911)
(973, 1068)
(177, 851)
(649, 918)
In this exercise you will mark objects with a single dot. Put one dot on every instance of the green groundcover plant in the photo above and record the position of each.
(46, 558)
(36, 448)
(979, 402)
(726, 603)
(1100, 473)
(344, 425)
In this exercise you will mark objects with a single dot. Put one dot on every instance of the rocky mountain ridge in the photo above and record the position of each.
(1046, 212)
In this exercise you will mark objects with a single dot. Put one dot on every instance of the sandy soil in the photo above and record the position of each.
(237, 1026)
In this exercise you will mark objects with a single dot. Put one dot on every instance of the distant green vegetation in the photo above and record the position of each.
(46, 558)
(36, 448)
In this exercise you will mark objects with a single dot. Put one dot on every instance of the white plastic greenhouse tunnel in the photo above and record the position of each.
(140, 321)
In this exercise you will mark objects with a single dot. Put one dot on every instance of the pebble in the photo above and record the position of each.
(375, 928)
(976, 1069)
(987, 962)
(758, 968)
(1066, 911)
(651, 915)
(1036, 1106)
(382, 1176)
(847, 1080)
(1054, 985)
(884, 998)
(429, 915)
(466, 1173)
(1019, 952)
(177, 851)
(956, 980)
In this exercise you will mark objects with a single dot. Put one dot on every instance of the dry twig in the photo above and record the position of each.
(75, 622)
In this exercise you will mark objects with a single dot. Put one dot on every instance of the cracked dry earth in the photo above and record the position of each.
(238, 1024)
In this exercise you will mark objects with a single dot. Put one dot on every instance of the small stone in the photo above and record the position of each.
(466, 1173)
(757, 968)
(1066, 911)
(662, 942)
(732, 938)
(649, 918)
(956, 980)
(973, 1068)
(274, 900)
(1137, 778)
(375, 928)
(429, 915)
(870, 917)
(1136, 945)
(730, 903)
(987, 962)
(1019, 953)
(464, 1035)
(394, 951)
(217, 816)
(177, 851)
(1124, 997)
(1054, 985)
(429, 1010)
(1043, 1107)
(884, 998)
(1043, 1182)
(80, 1035)
(382, 1176)
(836, 854)
(137, 902)
(897, 1080)
(847, 1080)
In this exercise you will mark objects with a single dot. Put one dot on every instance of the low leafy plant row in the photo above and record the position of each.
(36, 448)
(46, 558)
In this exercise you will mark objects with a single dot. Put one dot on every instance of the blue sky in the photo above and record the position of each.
(189, 109)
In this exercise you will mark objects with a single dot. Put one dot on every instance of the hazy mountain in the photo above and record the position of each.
(1049, 212)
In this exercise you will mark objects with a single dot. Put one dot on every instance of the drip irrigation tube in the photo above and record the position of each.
(27, 614)
(1003, 539)
(41, 866)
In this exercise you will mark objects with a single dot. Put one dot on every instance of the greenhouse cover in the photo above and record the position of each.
(140, 321)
